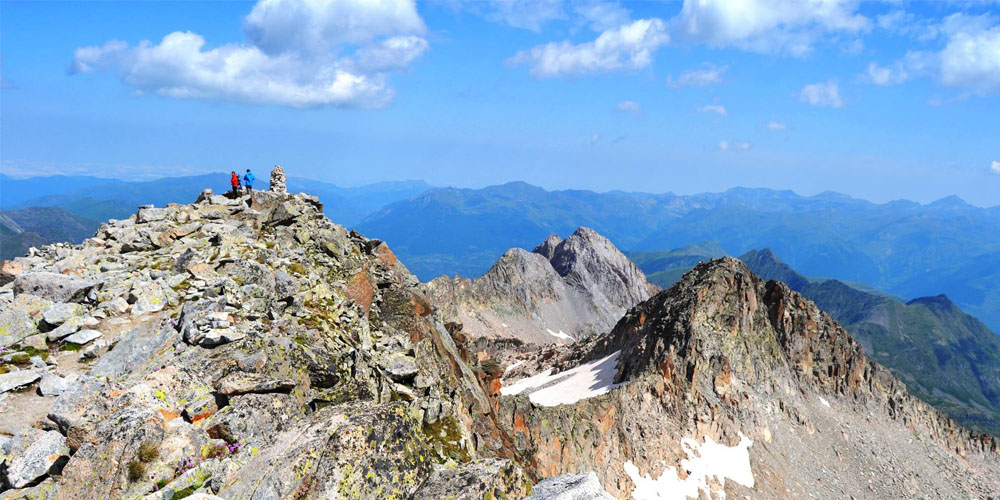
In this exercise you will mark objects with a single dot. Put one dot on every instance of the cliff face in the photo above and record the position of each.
(726, 365)
(561, 292)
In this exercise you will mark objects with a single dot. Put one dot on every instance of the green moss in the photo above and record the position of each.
(69, 346)
(192, 488)
(296, 268)
(4, 368)
(20, 359)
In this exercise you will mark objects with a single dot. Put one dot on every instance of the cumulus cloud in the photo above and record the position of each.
(708, 74)
(293, 58)
(713, 108)
(789, 26)
(630, 46)
(969, 60)
(825, 94)
(277, 26)
(629, 107)
(776, 126)
(592, 139)
(995, 167)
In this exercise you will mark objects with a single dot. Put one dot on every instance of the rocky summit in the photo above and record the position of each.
(562, 291)
(250, 348)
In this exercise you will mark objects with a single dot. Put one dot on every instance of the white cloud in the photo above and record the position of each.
(776, 126)
(525, 14)
(995, 167)
(629, 107)
(277, 26)
(790, 26)
(601, 15)
(628, 47)
(733, 146)
(969, 60)
(713, 108)
(822, 94)
(592, 139)
(709, 74)
(283, 65)
(880, 75)
(905, 23)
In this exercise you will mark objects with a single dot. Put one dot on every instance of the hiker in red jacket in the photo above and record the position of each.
(235, 181)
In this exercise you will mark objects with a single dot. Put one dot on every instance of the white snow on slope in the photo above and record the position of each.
(706, 462)
(561, 335)
(824, 401)
(585, 381)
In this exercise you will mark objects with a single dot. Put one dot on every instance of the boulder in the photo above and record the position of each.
(53, 286)
(285, 213)
(570, 487)
(400, 367)
(64, 330)
(15, 325)
(53, 385)
(487, 478)
(17, 379)
(133, 349)
(83, 336)
(34, 454)
(60, 313)
(147, 298)
(148, 214)
(69, 407)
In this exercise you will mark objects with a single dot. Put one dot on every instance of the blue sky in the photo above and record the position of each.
(880, 100)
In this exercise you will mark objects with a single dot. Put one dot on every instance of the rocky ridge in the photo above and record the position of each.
(727, 366)
(244, 348)
(562, 291)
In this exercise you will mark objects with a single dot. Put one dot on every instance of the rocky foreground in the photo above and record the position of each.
(253, 349)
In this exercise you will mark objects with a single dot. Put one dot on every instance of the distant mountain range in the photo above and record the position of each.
(101, 199)
(902, 247)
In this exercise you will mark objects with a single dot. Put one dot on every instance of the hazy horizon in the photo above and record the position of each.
(877, 100)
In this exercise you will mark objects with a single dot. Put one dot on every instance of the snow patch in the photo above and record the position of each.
(511, 367)
(585, 381)
(503, 325)
(824, 402)
(705, 462)
(561, 335)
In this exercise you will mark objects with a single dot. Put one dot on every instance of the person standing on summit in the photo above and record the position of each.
(248, 179)
(235, 182)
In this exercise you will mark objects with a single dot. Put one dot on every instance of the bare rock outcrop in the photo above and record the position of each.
(561, 292)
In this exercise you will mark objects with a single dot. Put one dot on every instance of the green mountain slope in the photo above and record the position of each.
(36, 226)
(947, 357)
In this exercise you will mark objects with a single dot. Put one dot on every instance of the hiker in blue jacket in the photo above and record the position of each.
(248, 179)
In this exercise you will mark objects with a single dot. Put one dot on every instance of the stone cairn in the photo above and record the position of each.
(278, 180)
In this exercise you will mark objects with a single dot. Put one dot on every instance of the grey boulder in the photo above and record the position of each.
(570, 487)
(33, 455)
(53, 286)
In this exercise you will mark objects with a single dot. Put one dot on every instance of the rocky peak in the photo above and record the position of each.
(591, 262)
(562, 291)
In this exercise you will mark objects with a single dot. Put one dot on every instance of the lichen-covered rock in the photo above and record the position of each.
(487, 478)
(60, 313)
(15, 325)
(54, 385)
(53, 286)
(33, 455)
(570, 487)
(147, 298)
(83, 336)
(17, 379)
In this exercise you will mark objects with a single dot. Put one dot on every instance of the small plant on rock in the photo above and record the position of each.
(136, 470)
(148, 451)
